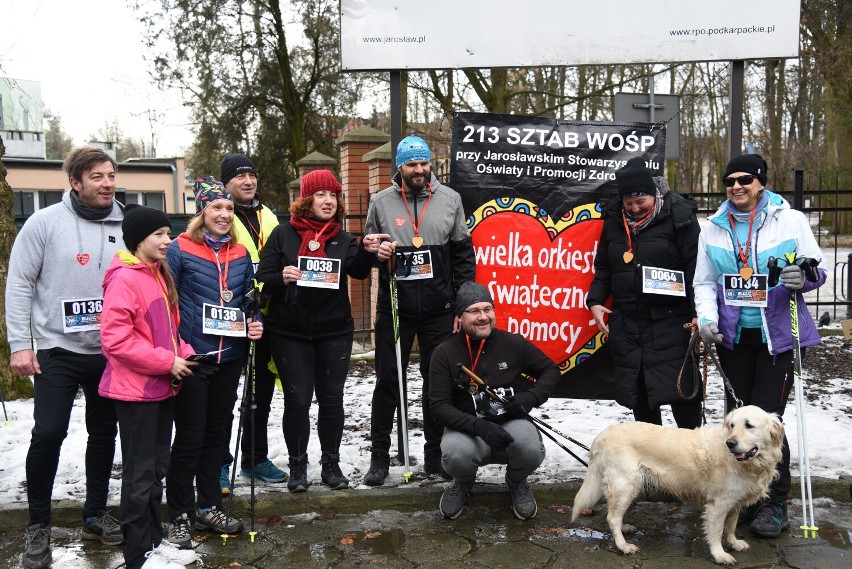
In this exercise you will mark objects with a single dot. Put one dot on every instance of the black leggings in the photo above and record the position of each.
(310, 366)
(687, 414)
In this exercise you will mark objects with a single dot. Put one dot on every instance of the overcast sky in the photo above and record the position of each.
(88, 56)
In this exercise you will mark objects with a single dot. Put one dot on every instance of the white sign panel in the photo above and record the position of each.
(395, 34)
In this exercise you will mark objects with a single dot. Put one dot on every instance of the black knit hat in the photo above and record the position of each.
(471, 292)
(234, 164)
(750, 164)
(635, 179)
(139, 222)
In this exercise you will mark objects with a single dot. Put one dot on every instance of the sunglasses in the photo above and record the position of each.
(741, 180)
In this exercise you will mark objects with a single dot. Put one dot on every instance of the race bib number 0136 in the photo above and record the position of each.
(663, 281)
(319, 272)
(223, 321)
(81, 315)
(740, 291)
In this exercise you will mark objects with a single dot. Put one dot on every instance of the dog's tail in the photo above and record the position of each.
(592, 489)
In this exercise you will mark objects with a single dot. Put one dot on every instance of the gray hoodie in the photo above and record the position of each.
(58, 256)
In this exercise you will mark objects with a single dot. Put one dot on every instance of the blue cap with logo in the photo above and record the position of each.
(412, 148)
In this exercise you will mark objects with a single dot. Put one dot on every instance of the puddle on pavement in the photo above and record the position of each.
(377, 542)
(571, 533)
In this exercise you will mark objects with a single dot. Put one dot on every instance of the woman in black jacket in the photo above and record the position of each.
(304, 268)
(645, 262)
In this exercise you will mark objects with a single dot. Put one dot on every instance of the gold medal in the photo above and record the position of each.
(472, 388)
(227, 295)
(628, 256)
(313, 245)
(417, 241)
(746, 272)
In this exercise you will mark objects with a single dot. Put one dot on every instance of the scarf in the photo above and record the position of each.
(638, 224)
(308, 230)
(87, 212)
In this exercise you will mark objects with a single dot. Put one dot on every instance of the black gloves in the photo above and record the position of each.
(204, 371)
(493, 434)
(521, 404)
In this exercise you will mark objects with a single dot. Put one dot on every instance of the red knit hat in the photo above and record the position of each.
(312, 182)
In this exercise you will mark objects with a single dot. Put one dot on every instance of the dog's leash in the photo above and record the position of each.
(708, 349)
(696, 376)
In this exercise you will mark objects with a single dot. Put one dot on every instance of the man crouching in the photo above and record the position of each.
(479, 430)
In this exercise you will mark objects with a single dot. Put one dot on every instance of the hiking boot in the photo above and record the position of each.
(225, 479)
(266, 471)
(379, 467)
(331, 474)
(748, 513)
(454, 498)
(176, 554)
(105, 528)
(215, 519)
(37, 555)
(298, 473)
(432, 464)
(770, 520)
(523, 501)
(179, 534)
(154, 560)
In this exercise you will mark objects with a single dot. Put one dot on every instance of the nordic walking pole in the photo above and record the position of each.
(537, 423)
(5, 415)
(403, 407)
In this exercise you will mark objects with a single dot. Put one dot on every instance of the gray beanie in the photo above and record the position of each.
(471, 292)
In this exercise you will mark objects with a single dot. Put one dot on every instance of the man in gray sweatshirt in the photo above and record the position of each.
(54, 297)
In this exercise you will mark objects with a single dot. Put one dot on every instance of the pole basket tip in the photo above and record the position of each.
(224, 537)
(407, 477)
(252, 534)
(809, 531)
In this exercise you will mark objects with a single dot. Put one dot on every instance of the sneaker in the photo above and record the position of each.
(298, 473)
(331, 474)
(38, 554)
(748, 513)
(105, 528)
(379, 467)
(175, 554)
(179, 534)
(523, 501)
(215, 519)
(225, 479)
(454, 498)
(154, 560)
(266, 471)
(432, 465)
(770, 520)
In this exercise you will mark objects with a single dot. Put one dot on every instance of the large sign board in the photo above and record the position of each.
(449, 34)
(532, 189)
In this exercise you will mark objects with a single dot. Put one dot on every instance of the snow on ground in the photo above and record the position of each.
(828, 417)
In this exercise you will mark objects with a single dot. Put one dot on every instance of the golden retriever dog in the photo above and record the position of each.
(720, 468)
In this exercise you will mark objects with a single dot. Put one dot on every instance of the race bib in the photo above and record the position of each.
(414, 266)
(81, 315)
(663, 281)
(739, 291)
(319, 272)
(223, 321)
(486, 406)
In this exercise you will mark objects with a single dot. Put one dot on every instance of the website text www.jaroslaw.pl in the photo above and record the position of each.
(393, 39)
(724, 31)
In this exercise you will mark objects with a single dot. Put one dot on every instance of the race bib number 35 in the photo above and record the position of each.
(223, 321)
(414, 266)
(81, 315)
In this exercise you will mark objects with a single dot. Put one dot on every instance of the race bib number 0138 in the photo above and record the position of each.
(663, 281)
(223, 321)
(81, 315)
(740, 291)
(319, 272)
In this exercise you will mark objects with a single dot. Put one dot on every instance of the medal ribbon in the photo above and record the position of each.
(473, 361)
(257, 234)
(742, 253)
(416, 224)
(318, 234)
(223, 278)
(627, 231)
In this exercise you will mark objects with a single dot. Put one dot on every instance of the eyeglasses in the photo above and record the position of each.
(744, 180)
(488, 311)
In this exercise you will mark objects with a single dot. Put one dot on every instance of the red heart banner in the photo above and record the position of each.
(538, 272)
(82, 258)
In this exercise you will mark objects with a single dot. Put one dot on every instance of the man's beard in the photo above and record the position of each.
(416, 186)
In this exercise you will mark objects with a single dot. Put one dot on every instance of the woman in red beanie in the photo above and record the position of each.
(304, 268)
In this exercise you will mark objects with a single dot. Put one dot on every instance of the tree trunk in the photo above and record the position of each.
(13, 386)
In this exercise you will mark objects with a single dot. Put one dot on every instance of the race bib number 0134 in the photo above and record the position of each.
(740, 291)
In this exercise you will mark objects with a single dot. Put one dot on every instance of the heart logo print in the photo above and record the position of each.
(82, 258)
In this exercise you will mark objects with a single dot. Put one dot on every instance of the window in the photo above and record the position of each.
(155, 200)
(24, 204)
(49, 198)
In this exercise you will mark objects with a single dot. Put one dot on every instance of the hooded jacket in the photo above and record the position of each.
(139, 333)
(780, 230)
(56, 247)
(445, 235)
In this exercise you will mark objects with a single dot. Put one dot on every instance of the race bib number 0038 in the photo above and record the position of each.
(319, 272)
(81, 315)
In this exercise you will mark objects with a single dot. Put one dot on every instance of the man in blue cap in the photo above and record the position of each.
(426, 222)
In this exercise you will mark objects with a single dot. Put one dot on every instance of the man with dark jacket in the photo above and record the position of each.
(426, 222)
(479, 430)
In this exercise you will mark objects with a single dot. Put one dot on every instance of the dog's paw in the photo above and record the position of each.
(628, 548)
(738, 544)
(627, 528)
(724, 558)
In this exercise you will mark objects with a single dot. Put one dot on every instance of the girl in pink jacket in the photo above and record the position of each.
(145, 365)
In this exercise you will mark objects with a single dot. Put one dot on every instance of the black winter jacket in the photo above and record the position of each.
(305, 312)
(647, 329)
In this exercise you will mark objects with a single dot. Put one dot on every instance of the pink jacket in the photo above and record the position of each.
(139, 335)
